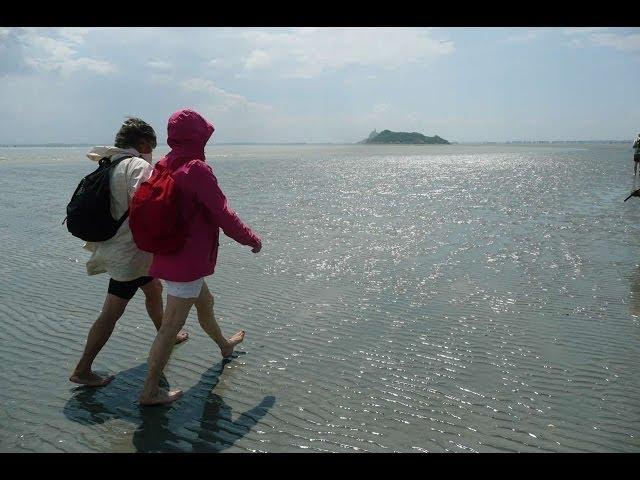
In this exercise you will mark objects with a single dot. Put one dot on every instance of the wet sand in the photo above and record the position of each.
(407, 299)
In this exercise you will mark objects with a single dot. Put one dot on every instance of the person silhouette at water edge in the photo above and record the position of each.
(636, 155)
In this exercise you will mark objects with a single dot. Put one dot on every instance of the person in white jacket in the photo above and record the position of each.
(119, 256)
(636, 154)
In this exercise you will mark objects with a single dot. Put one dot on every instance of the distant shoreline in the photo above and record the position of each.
(510, 142)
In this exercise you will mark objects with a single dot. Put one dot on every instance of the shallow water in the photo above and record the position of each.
(409, 299)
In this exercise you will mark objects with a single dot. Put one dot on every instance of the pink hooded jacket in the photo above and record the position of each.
(203, 206)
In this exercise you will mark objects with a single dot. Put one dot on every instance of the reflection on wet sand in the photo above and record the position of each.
(634, 300)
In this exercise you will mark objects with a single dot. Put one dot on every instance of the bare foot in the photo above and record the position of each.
(91, 379)
(161, 398)
(181, 337)
(227, 349)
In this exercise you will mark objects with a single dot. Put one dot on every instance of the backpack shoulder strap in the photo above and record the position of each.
(108, 163)
(112, 164)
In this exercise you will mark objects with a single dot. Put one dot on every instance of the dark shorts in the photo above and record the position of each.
(126, 290)
(636, 157)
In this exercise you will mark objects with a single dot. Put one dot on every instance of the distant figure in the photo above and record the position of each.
(203, 210)
(118, 256)
(636, 155)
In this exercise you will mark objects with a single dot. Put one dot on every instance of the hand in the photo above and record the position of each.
(257, 248)
(636, 193)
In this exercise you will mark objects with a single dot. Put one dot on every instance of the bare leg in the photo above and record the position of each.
(207, 319)
(153, 301)
(98, 335)
(174, 317)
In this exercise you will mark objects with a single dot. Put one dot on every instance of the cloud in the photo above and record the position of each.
(582, 30)
(161, 78)
(308, 52)
(159, 65)
(627, 43)
(74, 34)
(524, 37)
(237, 119)
(222, 100)
(217, 62)
(90, 64)
(257, 59)
(381, 108)
(605, 37)
(56, 50)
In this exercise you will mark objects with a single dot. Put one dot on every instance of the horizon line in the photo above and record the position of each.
(63, 144)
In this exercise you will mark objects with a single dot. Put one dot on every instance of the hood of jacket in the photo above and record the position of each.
(187, 134)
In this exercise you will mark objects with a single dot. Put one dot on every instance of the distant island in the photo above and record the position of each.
(413, 138)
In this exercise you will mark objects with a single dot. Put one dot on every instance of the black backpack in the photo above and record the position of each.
(89, 210)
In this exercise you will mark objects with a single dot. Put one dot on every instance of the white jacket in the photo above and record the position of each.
(119, 256)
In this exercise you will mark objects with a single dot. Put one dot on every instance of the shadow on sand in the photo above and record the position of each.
(200, 421)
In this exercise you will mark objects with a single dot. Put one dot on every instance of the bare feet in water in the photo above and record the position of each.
(227, 349)
(91, 379)
(161, 398)
(181, 337)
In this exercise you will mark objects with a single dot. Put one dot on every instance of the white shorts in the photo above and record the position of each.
(184, 289)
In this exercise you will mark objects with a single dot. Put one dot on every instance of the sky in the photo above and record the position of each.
(320, 84)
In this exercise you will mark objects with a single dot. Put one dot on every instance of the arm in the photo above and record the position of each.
(209, 193)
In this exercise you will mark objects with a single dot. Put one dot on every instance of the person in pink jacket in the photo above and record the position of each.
(204, 210)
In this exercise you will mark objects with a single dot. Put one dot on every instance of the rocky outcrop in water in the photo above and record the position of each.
(413, 138)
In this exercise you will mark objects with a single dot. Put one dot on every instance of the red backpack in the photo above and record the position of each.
(154, 219)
